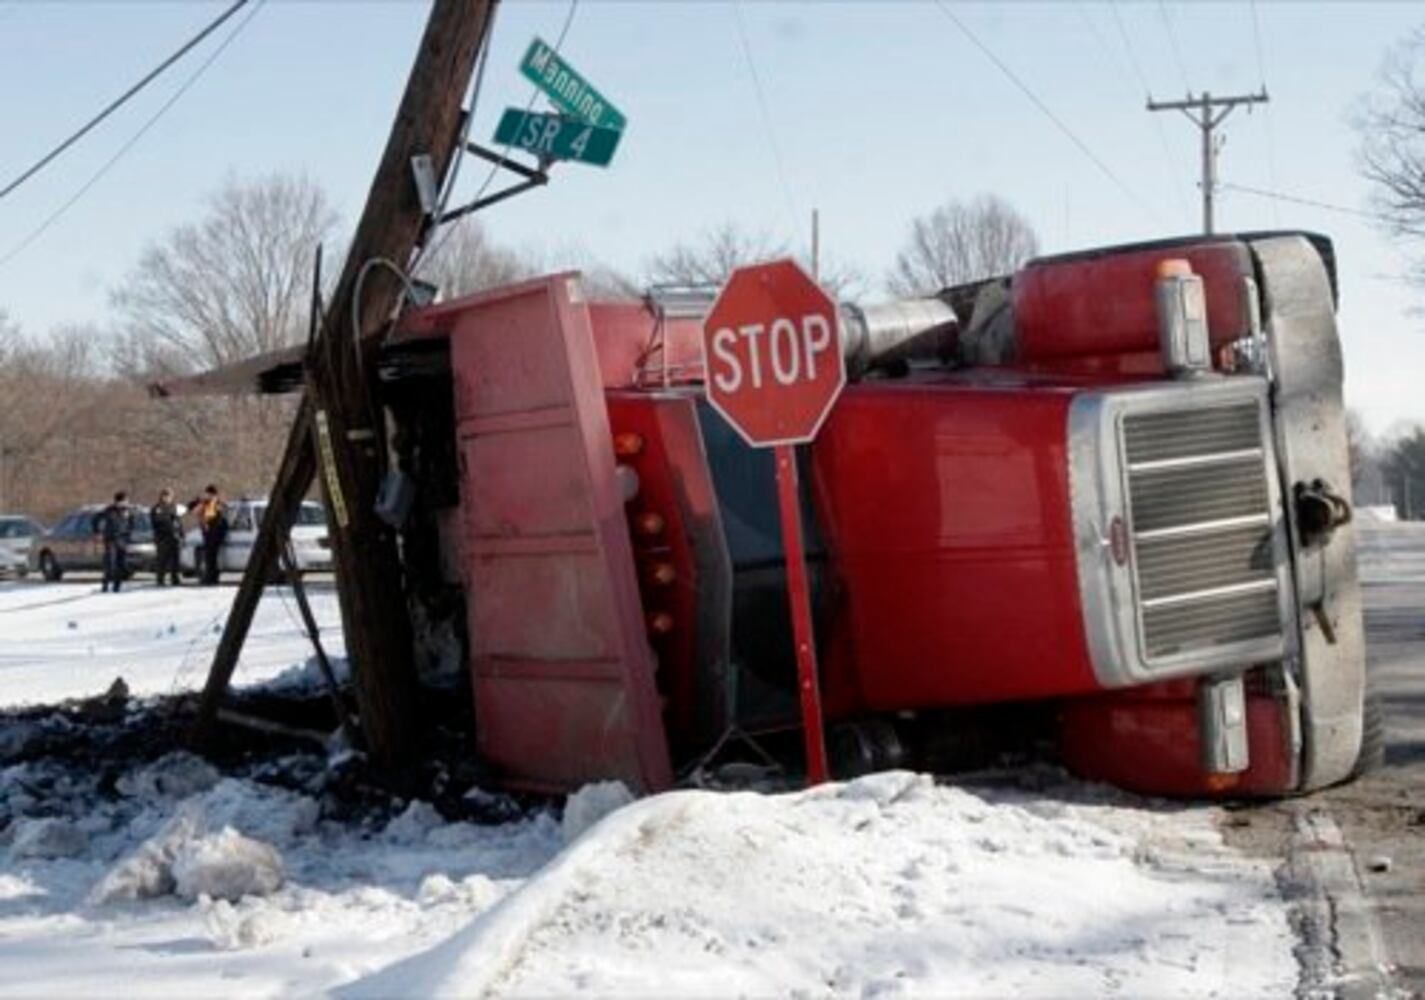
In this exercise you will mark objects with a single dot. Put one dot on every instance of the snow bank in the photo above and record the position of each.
(175, 775)
(226, 865)
(306, 677)
(183, 860)
(49, 837)
(217, 843)
(590, 804)
(888, 884)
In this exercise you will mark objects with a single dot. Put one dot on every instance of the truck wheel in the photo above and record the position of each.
(49, 567)
(1372, 755)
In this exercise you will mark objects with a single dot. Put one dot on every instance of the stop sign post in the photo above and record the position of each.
(773, 366)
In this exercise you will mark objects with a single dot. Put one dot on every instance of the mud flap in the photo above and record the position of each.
(1305, 358)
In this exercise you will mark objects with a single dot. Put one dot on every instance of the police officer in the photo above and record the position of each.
(116, 524)
(167, 536)
(213, 522)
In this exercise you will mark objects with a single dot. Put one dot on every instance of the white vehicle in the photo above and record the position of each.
(16, 534)
(310, 545)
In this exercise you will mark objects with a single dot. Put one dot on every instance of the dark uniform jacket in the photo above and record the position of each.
(167, 524)
(115, 522)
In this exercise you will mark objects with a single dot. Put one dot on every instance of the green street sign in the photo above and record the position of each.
(555, 137)
(569, 91)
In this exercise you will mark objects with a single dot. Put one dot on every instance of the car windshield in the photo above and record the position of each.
(16, 527)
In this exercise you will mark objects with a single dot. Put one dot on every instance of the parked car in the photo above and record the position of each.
(72, 544)
(310, 545)
(16, 533)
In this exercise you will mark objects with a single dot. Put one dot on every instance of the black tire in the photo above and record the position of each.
(49, 567)
(1372, 755)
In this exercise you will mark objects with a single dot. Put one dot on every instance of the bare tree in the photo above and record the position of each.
(233, 284)
(465, 260)
(1391, 123)
(9, 334)
(961, 242)
(709, 259)
(712, 257)
(1403, 465)
(1359, 444)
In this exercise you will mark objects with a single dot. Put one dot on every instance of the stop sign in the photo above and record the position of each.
(772, 354)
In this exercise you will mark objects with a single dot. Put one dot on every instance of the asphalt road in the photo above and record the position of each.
(1381, 817)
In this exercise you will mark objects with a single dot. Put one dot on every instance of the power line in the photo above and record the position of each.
(1326, 206)
(1168, 161)
(1173, 41)
(458, 156)
(123, 98)
(1044, 109)
(505, 148)
(766, 114)
(54, 216)
(1267, 116)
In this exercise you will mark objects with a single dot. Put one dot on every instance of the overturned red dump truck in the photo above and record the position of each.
(1091, 487)
(1101, 503)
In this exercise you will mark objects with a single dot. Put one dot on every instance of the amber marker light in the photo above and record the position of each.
(1220, 781)
(662, 574)
(627, 444)
(649, 524)
(1172, 267)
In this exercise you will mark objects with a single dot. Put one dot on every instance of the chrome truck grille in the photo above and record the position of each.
(1195, 580)
(1200, 518)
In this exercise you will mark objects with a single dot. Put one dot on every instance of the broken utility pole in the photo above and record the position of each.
(1199, 111)
(340, 405)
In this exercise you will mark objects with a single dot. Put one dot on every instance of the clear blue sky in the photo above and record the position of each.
(880, 111)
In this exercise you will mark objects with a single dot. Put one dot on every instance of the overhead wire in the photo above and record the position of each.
(1169, 163)
(434, 251)
(1044, 109)
(108, 164)
(1266, 108)
(458, 154)
(1173, 42)
(123, 98)
(1326, 206)
(751, 65)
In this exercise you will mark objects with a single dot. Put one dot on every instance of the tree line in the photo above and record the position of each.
(76, 419)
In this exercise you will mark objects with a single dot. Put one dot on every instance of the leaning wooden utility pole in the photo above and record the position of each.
(339, 432)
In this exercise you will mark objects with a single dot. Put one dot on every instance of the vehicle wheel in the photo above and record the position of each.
(1372, 735)
(49, 566)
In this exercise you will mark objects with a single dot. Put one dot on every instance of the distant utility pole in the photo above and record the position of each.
(1200, 111)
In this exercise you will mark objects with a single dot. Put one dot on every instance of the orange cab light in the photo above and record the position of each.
(649, 524)
(662, 574)
(1173, 267)
(660, 623)
(1220, 781)
(628, 444)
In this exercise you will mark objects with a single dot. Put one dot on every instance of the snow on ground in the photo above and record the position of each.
(885, 886)
(67, 640)
(172, 880)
